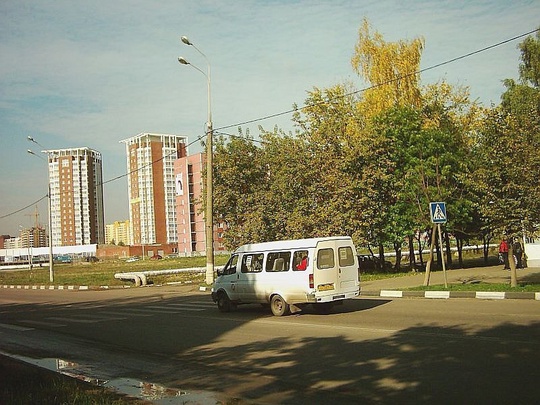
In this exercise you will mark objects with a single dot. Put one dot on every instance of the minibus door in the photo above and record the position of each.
(325, 269)
(336, 268)
(228, 277)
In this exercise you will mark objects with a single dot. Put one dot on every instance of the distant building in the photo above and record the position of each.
(190, 216)
(151, 186)
(117, 233)
(33, 237)
(12, 243)
(3, 240)
(76, 189)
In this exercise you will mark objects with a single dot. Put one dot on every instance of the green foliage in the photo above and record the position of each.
(508, 173)
(367, 164)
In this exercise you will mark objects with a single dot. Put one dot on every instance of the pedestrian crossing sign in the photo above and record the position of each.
(438, 212)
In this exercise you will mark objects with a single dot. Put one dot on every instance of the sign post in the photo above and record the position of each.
(438, 217)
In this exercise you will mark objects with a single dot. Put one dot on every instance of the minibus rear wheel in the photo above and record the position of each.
(224, 304)
(279, 306)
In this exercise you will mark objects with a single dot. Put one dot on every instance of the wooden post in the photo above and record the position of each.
(430, 260)
(442, 256)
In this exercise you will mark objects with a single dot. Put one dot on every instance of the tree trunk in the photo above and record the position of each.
(512, 262)
(381, 257)
(428, 266)
(412, 256)
(448, 251)
(459, 245)
(420, 255)
(397, 249)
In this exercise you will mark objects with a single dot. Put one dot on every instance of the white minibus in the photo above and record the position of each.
(289, 274)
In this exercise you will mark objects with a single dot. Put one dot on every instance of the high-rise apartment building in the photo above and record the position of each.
(189, 193)
(151, 186)
(33, 237)
(117, 233)
(76, 189)
(189, 198)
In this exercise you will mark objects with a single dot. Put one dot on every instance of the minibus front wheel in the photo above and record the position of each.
(279, 306)
(224, 304)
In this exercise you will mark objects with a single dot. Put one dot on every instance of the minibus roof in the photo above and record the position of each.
(288, 244)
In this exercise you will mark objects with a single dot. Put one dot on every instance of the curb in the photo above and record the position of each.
(486, 295)
(63, 287)
(87, 288)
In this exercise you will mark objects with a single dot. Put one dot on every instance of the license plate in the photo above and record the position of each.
(326, 287)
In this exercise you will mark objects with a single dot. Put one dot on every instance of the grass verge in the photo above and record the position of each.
(481, 286)
(102, 272)
(23, 383)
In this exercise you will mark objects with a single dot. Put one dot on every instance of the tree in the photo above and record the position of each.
(391, 69)
(448, 109)
(327, 126)
(508, 180)
(239, 177)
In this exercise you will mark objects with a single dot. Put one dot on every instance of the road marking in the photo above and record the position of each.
(168, 309)
(15, 327)
(42, 323)
(128, 312)
(192, 305)
(90, 319)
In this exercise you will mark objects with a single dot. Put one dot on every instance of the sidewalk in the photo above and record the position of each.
(396, 287)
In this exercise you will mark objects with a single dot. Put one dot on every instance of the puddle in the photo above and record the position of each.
(162, 395)
(148, 391)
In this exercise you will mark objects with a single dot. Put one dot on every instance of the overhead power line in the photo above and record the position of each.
(290, 111)
(386, 82)
(24, 208)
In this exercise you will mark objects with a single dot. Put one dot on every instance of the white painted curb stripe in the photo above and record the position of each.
(490, 295)
(391, 293)
(437, 294)
(537, 296)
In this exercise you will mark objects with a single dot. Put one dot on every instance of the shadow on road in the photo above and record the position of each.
(420, 364)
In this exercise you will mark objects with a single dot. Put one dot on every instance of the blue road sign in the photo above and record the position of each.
(438, 212)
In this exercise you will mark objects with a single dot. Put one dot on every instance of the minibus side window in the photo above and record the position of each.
(278, 261)
(325, 258)
(299, 264)
(346, 257)
(252, 263)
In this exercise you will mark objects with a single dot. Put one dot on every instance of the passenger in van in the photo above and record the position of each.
(303, 264)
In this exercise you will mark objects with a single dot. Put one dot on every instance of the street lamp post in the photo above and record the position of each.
(51, 269)
(209, 226)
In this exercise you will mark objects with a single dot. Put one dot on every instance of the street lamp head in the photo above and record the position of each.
(30, 138)
(183, 61)
(185, 40)
(30, 151)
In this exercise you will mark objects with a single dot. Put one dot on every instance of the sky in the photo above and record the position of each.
(91, 73)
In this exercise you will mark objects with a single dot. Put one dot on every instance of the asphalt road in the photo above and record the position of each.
(370, 350)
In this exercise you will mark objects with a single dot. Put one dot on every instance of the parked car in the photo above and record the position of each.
(132, 259)
(366, 262)
(369, 262)
(156, 257)
(63, 259)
